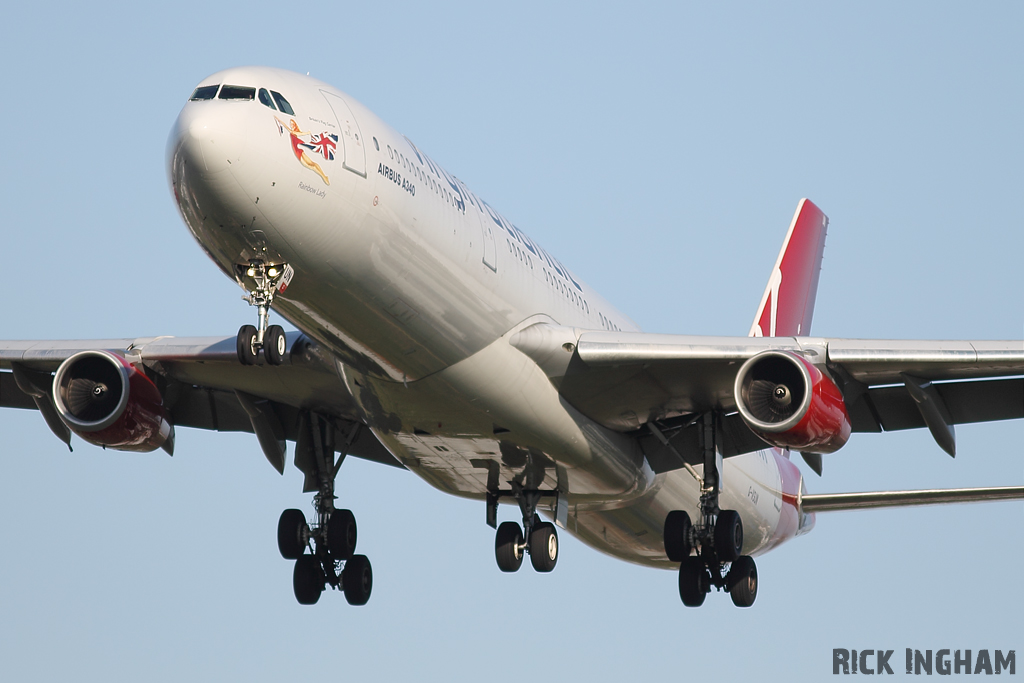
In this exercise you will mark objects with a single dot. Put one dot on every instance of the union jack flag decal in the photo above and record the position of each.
(325, 144)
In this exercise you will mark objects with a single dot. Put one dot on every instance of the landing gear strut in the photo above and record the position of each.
(331, 539)
(717, 538)
(269, 280)
(540, 539)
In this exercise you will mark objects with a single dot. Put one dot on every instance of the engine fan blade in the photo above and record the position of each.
(770, 402)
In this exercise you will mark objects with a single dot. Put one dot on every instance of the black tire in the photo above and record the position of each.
(308, 580)
(245, 344)
(544, 547)
(694, 582)
(728, 536)
(275, 346)
(292, 534)
(743, 577)
(341, 534)
(677, 535)
(508, 547)
(357, 578)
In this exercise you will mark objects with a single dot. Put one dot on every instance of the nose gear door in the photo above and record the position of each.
(352, 138)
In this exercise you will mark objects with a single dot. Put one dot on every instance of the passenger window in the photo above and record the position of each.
(204, 92)
(265, 99)
(237, 92)
(375, 145)
(282, 103)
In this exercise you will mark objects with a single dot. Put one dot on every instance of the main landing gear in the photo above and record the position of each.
(331, 539)
(511, 544)
(269, 280)
(716, 542)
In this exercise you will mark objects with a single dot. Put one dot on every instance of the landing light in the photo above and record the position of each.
(250, 272)
(272, 272)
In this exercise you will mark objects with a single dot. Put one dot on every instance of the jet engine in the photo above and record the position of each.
(790, 403)
(105, 400)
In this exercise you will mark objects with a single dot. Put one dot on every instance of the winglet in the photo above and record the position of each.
(788, 301)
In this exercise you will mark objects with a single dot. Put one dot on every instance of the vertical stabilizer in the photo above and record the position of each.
(788, 302)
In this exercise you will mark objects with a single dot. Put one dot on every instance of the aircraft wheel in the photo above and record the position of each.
(544, 547)
(677, 535)
(508, 547)
(341, 534)
(728, 536)
(357, 578)
(308, 580)
(275, 346)
(248, 351)
(744, 590)
(292, 534)
(694, 582)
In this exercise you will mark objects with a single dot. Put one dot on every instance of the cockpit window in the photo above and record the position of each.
(204, 92)
(237, 92)
(265, 99)
(282, 103)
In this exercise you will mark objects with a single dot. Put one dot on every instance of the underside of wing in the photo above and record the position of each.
(200, 384)
(626, 381)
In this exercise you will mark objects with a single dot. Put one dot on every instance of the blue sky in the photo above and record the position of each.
(659, 151)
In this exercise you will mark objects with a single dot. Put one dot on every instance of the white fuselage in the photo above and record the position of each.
(418, 287)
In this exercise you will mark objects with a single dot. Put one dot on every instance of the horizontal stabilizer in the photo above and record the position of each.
(828, 502)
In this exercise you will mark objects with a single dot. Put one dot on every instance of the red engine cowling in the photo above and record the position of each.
(108, 402)
(790, 404)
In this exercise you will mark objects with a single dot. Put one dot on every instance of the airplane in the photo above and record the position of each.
(434, 335)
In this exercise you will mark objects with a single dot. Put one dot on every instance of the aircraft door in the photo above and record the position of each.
(490, 248)
(352, 138)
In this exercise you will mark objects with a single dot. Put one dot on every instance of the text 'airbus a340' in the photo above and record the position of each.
(436, 336)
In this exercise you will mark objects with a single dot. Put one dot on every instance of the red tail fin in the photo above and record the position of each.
(788, 302)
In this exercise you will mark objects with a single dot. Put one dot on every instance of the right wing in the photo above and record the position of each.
(205, 387)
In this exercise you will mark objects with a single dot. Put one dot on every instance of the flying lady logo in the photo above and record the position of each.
(323, 144)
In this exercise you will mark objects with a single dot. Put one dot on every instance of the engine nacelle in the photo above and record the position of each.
(105, 400)
(791, 404)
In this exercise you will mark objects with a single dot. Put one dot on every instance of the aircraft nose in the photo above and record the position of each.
(209, 136)
(205, 150)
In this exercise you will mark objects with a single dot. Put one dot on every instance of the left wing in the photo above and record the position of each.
(626, 380)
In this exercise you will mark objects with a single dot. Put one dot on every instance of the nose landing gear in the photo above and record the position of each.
(268, 280)
(717, 539)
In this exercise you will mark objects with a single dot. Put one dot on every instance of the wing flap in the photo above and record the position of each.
(892, 408)
(11, 396)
